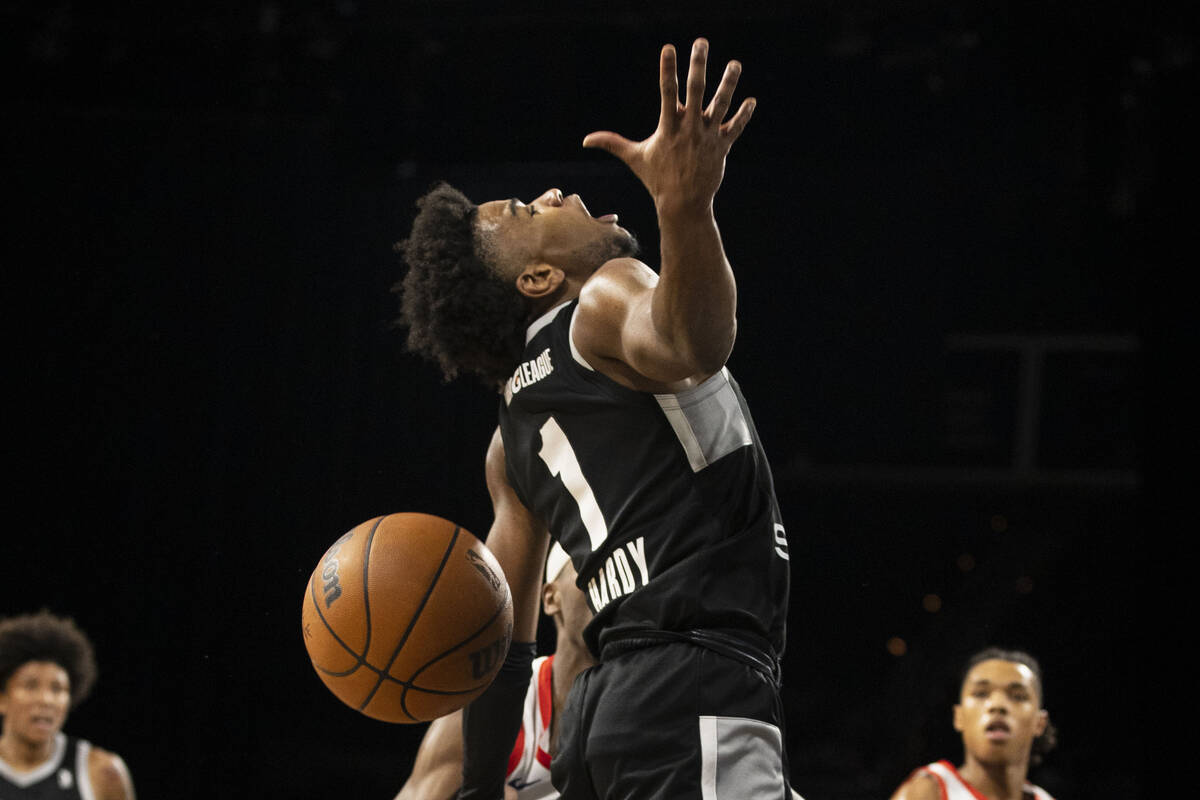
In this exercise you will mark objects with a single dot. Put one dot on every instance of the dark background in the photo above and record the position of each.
(939, 216)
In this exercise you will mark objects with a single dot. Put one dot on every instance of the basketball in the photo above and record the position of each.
(407, 617)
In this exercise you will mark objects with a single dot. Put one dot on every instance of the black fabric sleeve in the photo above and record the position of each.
(491, 723)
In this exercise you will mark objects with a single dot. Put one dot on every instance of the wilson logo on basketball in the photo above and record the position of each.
(478, 563)
(483, 660)
(329, 572)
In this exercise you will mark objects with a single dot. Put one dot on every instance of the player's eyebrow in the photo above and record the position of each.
(512, 206)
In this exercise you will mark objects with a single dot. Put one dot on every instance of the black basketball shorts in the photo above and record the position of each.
(672, 721)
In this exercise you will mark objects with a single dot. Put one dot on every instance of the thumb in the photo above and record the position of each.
(614, 143)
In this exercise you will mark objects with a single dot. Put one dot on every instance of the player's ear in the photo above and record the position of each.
(539, 280)
(1039, 724)
(958, 718)
(551, 601)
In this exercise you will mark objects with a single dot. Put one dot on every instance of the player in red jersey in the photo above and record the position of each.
(1004, 729)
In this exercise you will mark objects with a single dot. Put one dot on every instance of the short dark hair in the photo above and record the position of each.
(458, 311)
(45, 637)
(1049, 738)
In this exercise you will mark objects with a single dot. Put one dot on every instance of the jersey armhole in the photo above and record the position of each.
(929, 772)
(575, 354)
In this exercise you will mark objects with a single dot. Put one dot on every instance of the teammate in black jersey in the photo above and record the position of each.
(623, 436)
(46, 668)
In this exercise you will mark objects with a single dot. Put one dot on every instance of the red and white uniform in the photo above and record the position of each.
(529, 763)
(955, 788)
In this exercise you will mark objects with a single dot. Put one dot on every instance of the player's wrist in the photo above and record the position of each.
(517, 661)
(676, 207)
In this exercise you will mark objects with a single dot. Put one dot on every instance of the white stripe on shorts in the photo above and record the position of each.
(740, 759)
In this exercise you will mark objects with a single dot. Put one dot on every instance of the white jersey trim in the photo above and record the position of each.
(543, 321)
(575, 354)
(954, 787)
(82, 774)
(44, 770)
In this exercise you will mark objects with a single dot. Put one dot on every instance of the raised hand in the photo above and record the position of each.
(682, 163)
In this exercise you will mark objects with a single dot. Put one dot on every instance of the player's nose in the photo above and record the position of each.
(998, 702)
(552, 197)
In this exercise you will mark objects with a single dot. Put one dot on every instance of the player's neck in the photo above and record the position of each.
(995, 781)
(570, 658)
(568, 290)
(24, 755)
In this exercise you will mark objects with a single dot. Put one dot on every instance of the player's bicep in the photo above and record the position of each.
(519, 541)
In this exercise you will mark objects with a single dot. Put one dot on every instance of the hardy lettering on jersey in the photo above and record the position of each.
(529, 372)
(623, 572)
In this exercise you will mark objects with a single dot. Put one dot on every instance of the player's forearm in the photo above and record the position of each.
(490, 726)
(695, 302)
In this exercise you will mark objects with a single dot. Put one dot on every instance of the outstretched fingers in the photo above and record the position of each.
(733, 129)
(721, 101)
(614, 143)
(668, 84)
(694, 104)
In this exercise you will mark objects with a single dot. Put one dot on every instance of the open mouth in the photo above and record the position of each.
(997, 730)
(607, 218)
(42, 721)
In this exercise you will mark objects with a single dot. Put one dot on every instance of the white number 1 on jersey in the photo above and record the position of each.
(561, 461)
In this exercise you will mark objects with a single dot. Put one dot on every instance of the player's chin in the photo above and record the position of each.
(625, 243)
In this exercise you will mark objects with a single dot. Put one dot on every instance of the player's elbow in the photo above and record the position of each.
(686, 357)
(710, 352)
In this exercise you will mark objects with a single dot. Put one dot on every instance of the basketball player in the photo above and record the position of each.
(622, 435)
(437, 772)
(46, 668)
(1004, 728)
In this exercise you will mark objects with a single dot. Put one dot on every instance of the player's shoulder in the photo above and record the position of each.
(606, 300)
(921, 785)
(109, 775)
(617, 275)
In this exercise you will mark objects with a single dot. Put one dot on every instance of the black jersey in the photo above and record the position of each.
(665, 503)
(64, 776)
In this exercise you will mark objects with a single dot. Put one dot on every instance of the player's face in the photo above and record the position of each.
(555, 230)
(35, 701)
(999, 712)
(576, 614)
(567, 604)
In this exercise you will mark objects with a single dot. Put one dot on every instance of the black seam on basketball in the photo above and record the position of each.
(366, 563)
(350, 671)
(360, 658)
(411, 682)
(412, 623)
